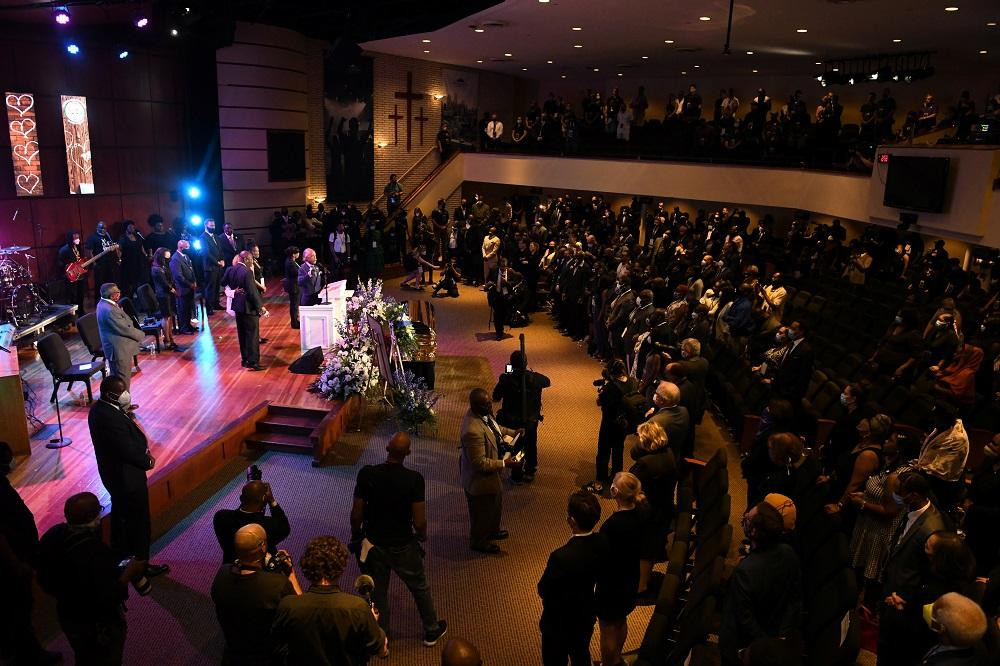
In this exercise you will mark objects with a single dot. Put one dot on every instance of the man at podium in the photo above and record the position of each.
(310, 278)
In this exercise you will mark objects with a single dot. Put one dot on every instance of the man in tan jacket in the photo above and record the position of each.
(479, 467)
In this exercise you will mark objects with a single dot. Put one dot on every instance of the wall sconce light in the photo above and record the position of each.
(320, 200)
(381, 144)
(438, 97)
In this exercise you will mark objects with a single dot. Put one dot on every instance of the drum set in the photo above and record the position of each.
(19, 298)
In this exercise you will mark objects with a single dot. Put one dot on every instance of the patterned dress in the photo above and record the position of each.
(870, 539)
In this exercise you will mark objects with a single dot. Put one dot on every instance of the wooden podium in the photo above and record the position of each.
(318, 323)
(13, 423)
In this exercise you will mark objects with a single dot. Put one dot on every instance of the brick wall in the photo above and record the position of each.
(315, 141)
(390, 74)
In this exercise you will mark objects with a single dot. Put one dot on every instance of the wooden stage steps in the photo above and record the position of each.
(287, 428)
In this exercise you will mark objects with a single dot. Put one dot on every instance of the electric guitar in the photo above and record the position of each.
(79, 268)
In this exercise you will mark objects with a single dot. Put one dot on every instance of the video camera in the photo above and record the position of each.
(280, 562)
(141, 584)
(254, 473)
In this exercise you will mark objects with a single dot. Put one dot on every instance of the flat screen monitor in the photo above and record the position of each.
(916, 183)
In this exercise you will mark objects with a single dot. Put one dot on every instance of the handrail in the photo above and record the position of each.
(426, 181)
(408, 171)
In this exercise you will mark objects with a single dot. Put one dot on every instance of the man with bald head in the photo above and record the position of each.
(389, 513)
(667, 413)
(480, 466)
(82, 573)
(255, 498)
(460, 652)
(246, 597)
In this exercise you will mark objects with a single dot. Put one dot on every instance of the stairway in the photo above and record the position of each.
(288, 429)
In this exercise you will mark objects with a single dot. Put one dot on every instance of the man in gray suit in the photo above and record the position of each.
(480, 466)
(119, 337)
(673, 418)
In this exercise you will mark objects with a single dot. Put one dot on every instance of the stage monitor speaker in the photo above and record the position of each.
(308, 363)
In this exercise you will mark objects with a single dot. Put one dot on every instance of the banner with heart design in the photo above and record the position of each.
(23, 131)
(76, 132)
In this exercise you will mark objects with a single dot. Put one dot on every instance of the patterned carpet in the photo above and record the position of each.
(489, 599)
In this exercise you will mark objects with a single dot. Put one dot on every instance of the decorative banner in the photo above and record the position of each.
(460, 106)
(76, 130)
(24, 144)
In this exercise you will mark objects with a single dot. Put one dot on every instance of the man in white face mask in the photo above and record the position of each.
(119, 336)
(123, 458)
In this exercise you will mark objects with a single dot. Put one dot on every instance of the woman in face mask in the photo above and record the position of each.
(900, 348)
(844, 434)
(877, 512)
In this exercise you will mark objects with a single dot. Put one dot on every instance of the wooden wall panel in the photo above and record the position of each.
(165, 83)
(16, 229)
(235, 179)
(105, 161)
(99, 207)
(274, 57)
(137, 172)
(168, 124)
(133, 123)
(256, 118)
(267, 35)
(101, 116)
(37, 71)
(53, 217)
(252, 75)
(137, 207)
(274, 99)
(88, 76)
(244, 159)
(241, 139)
(291, 197)
(130, 77)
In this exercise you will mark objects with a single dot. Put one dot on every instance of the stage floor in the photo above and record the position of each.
(183, 398)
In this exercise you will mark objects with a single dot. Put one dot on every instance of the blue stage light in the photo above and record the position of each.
(195, 219)
(196, 244)
(72, 49)
(123, 54)
(193, 192)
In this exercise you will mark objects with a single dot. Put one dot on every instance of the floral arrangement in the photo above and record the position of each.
(414, 401)
(349, 367)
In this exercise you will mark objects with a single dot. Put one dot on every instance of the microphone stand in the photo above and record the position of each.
(326, 286)
(60, 441)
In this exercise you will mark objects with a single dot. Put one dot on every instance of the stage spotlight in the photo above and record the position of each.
(195, 219)
(193, 192)
(141, 21)
(122, 54)
(174, 32)
(196, 244)
(61, 15)
(72, 49)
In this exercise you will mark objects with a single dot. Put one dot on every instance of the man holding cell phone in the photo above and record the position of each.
(520, 391)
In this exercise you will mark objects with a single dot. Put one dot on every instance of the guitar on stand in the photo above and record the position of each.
(79, 268)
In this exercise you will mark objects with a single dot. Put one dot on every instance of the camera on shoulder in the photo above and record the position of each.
(280, 562)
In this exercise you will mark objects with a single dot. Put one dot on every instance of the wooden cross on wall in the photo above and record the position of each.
(410, 97)
(421, 119)
(395, 118)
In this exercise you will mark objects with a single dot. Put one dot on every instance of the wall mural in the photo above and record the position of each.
(76, 131)
(460, 106)
(24, 144)
(350, 144)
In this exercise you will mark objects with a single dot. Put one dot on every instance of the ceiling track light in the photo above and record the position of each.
(61, 14)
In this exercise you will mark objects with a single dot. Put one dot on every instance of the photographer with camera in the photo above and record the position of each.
(520, 391)
(89, 582)
(246, 595)
(255, 498)
(616, 421)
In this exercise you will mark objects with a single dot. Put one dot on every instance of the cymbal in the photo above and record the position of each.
(13, 249)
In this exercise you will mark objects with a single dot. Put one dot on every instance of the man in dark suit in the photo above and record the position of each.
(905, 570)
(667, 413)
(521, 393)
(249, 307)
(695, 365)
(621, 304)
(479, 468)
(184, 279)
(123, 458)
(212, 265)
(310, 278)
(795, 369)
(500, 293)
(229, 243)
(106, 268)
(765, 590)
(567, 586)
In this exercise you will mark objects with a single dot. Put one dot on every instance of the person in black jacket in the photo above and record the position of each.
(186, 283)
(166, 293)
(792, 377)
(521, 393)
(249, 308)
(657, 472)
(255, 497)
(212, 264)
(88, 582)
(567, 586)
(18, 556)
(68, 254)
(291, 283)
(123, 458)
(765, 589)
(614, 425)
(616, 587)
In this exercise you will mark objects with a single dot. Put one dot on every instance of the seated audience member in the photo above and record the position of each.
(900, 350)
(255, 497)
(657, 474)
(764, 599)
(943, 454)
(18, 556)
(616, 588)
(460, 652)
(982, 509)
(326, 625)
(567, 586)
(904, 570)
(88, 582)
(956, 381)
(246, 596)
(959, 624)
